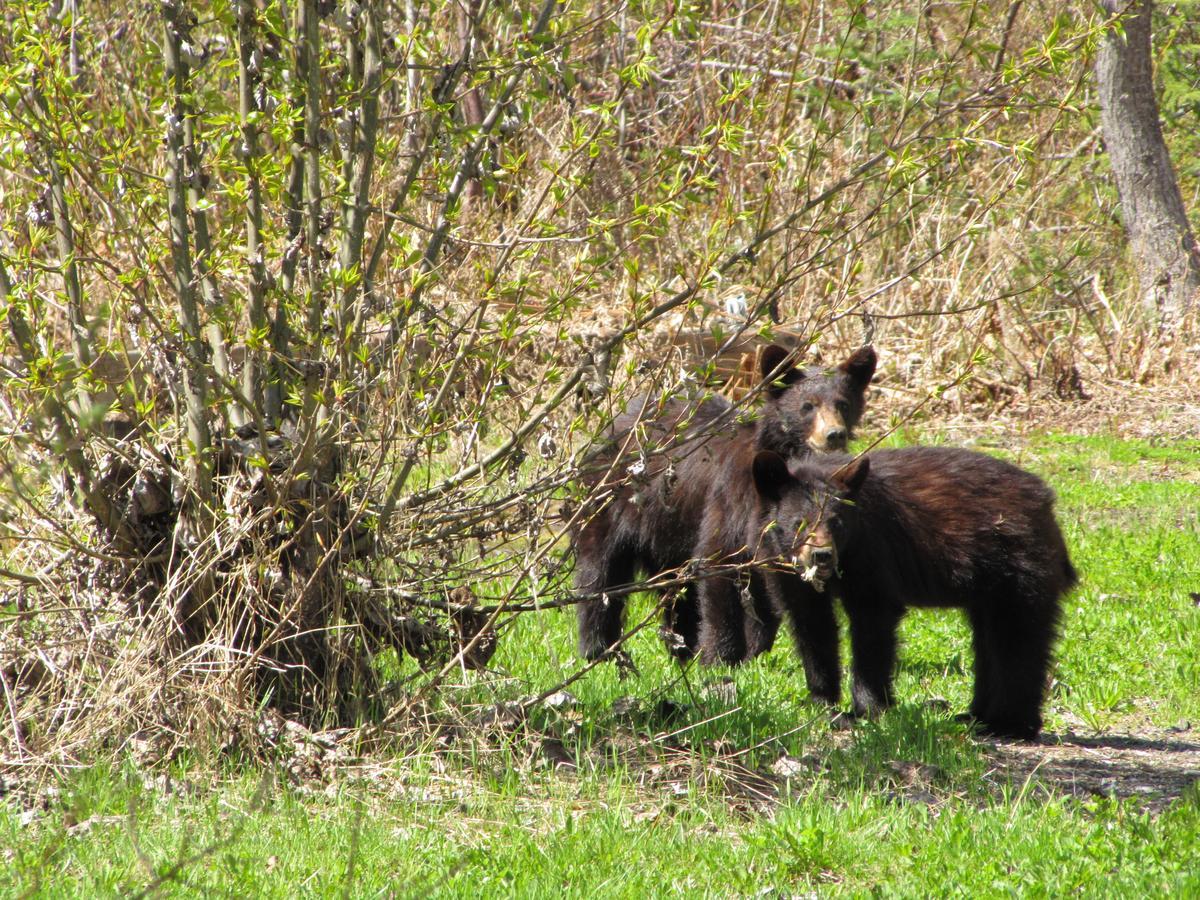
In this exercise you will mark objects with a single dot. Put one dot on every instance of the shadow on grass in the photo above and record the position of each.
(1154, 769)
(910, 743)
(1158, 745)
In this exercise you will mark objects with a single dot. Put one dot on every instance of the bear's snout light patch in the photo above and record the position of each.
(809, 573)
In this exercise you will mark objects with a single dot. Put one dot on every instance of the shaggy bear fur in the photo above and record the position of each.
(925, 526)
(650, 481)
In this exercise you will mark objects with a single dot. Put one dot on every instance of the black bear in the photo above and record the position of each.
(924, 526)
(650, 480)
(745, 581)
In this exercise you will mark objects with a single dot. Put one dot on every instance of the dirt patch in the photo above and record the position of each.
(1153, 768)
(1149, 767)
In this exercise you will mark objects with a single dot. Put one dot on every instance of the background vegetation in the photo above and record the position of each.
(311, 309)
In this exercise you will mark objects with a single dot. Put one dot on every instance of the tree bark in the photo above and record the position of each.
(248, 111)
(471, 104)
(314, 410)
(366, 52)
(199, 465)
(1164, 248)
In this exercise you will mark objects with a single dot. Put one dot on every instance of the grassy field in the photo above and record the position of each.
(715, 782)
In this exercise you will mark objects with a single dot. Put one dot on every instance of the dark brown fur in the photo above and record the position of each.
(924, 526)
(651, 481)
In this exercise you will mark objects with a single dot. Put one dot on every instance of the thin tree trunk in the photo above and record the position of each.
(248, 67)
(314, 452)
(280, 369)
(367, 60)
(198, 468)
(412, 85)
(442, 93)
(471, 105)
(308, 32)
(195, 394)
(1160, 236)
(81, 336)
(202, 242)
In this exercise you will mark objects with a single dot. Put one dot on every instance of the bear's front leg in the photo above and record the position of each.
(814, 632)
(873, 646)
(681, 624)
(722, 639)
(602, 562)
(760, 622)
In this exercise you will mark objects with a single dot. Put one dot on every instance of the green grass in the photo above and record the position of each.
(655, 805)
(544, 840)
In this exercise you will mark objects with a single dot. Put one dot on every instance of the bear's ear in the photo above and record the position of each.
(770, 474)
(770, 361)
(860, 366)
(851, 476)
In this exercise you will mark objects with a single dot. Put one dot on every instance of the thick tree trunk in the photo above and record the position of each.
(1163, 245)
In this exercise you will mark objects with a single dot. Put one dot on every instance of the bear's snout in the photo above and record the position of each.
(817, 557)
(829, 432)
(835, 438)
(822, 556)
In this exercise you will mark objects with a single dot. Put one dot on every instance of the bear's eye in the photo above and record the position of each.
(842, 406)
(806, 406)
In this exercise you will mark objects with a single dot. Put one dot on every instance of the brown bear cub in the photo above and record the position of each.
(649, 484)
(924, 526)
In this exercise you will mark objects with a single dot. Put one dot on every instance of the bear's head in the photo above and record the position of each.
(812, 410)
(805, 515)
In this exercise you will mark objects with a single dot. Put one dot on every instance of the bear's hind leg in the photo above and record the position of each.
(1014, 643)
